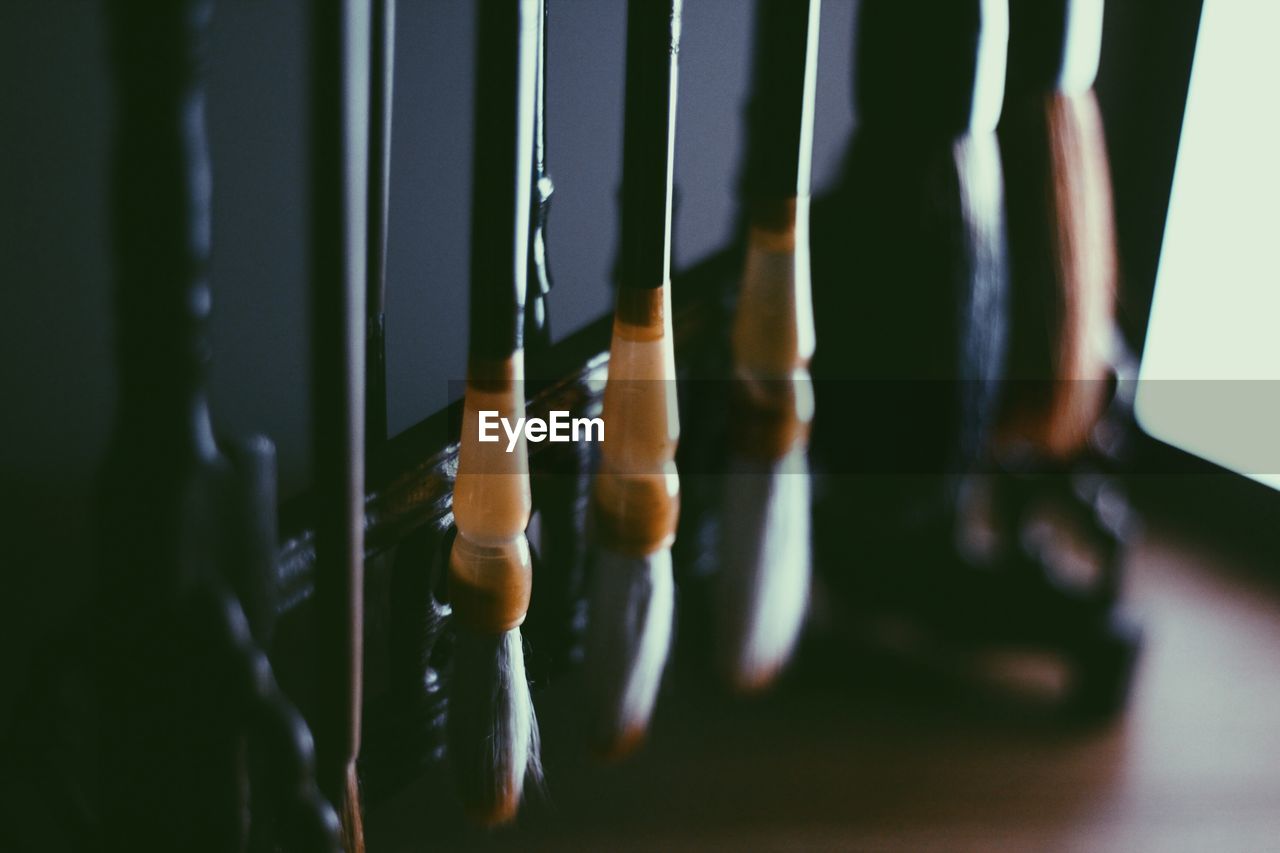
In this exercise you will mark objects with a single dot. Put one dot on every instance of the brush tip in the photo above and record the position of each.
(351, 821)
(752, 682)
(632, 609)
(492, 732)
(624, 743)
(765, 563)
(493, 815)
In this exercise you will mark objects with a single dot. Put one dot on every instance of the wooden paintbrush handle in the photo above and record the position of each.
(490, 571)
(490, 586)
(773, 333)
(931, 68)
(491, 497)
(637, 489)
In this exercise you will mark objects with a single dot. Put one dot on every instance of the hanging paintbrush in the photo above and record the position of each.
(1061, 228)
(493, 740)
(763, 588)
(340, 39)
(910, 270)
(636, 493)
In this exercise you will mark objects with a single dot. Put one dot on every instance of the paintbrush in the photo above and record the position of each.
(635, 501)
(1061, 228)
(492, 732)
(765, 558)
(340, 59)
(910, 279)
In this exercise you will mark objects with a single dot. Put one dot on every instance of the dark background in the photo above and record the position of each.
(55, 322)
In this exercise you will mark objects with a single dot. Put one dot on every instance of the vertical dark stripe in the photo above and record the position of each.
(501, 175)
(382, 70)
(170, 774)
(339, 139)
(775, 113)
(653, 47)
(160, 218)
(918, 71)
(1037, 45)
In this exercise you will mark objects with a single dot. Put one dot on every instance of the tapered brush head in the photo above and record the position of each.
(762, 593)
(632, 607)
(492, 731)
(351, 821)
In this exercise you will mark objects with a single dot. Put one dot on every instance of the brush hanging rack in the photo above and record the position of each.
(953, 599)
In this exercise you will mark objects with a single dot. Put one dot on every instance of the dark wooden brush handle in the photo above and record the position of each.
(500, 187)
(931, 67)
(1053, 45)
(653, 48)
(780, 105)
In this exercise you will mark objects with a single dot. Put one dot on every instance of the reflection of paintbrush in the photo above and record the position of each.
(492, 734)
(635, 500)
(1061, 229)
(765, 551)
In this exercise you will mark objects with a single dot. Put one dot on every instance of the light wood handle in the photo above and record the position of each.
(773, 333)
(637, 491)
(490, 572)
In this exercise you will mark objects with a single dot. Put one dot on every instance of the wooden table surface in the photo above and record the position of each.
(839, 760)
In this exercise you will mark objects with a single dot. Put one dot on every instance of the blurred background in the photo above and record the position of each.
(844, 756)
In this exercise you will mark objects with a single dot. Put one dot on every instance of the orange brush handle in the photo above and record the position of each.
(637, 492)
(773, 333)
(490, 571)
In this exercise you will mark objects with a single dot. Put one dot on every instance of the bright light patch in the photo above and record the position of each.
(1211, 371)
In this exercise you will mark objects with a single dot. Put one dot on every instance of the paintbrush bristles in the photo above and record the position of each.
(632, 606)
(492, 731)
(763, 588)
(350, 820)
(762, 594)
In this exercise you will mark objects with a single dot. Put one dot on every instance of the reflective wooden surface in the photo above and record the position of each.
(845, 757)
